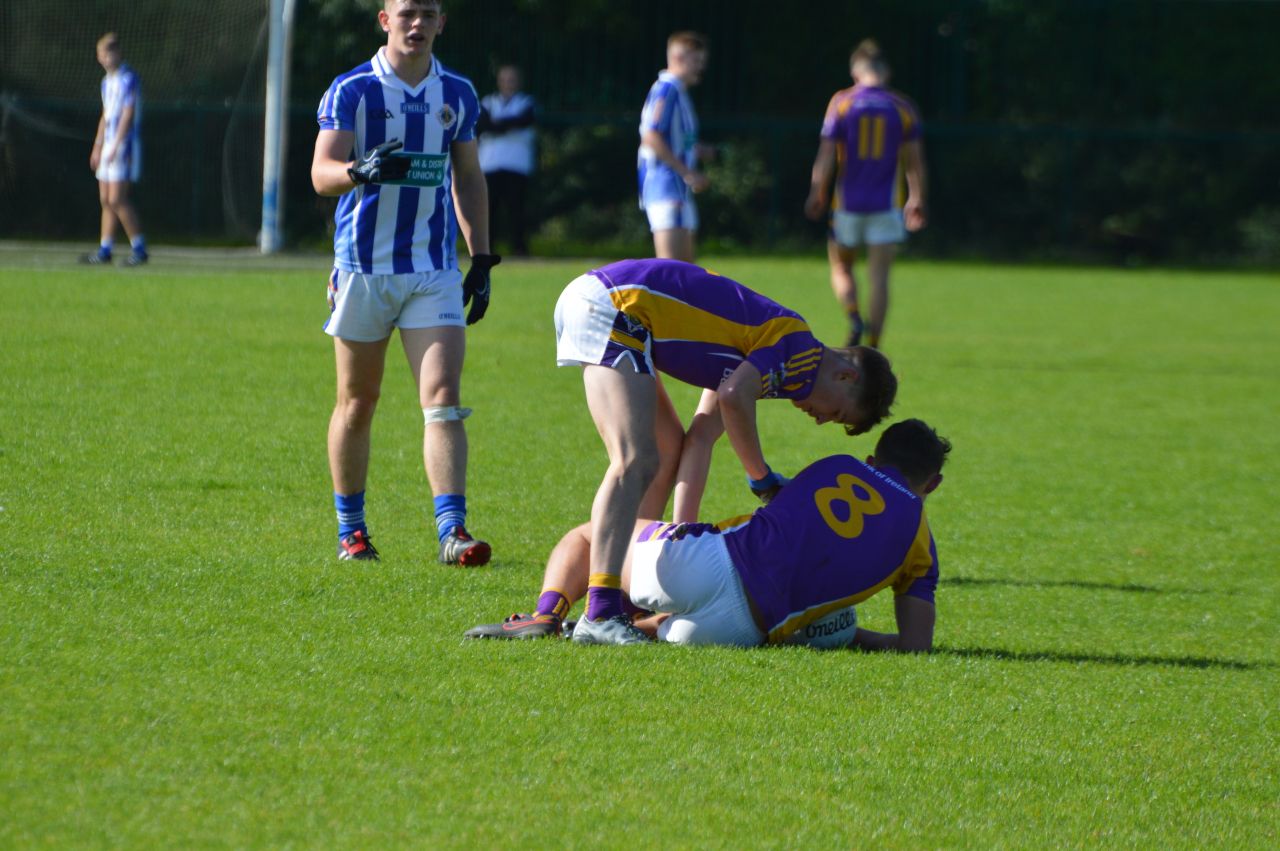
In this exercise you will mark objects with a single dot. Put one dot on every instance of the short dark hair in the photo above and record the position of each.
(914, 448)
(687, 39)
(877, 388)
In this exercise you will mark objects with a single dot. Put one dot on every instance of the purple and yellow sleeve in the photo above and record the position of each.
(830, 118)
(910, 119)
(789, 366)
(918, 574)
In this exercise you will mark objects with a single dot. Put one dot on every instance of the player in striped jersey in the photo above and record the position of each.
(117, 154)
(395, 264)
(870, 141)
(624, 323)
(840, 532)
(667, 161)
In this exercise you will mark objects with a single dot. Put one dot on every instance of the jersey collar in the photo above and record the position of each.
(667, 77)
(387, 74)
(895, 474)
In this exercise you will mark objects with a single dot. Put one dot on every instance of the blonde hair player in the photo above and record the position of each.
(870, 142)
(116, 159)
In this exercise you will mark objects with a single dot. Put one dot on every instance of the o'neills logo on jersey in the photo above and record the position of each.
(414, 108)
(446, 116)
(771, 383)
(829, 626)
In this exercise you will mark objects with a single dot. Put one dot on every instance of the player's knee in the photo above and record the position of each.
(444, 414)
(358, 407)
(642, 468)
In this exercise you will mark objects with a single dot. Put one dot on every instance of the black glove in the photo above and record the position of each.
(475, 286)
(767, 488)
(376, 166)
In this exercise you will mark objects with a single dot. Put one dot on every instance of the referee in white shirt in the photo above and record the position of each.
(507, 141)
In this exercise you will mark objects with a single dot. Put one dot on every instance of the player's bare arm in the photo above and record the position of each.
(824, 168)
(738, 394)
(916, 210)
(695, 457)
(696, 180)
(330, 162)
(470, 196)
(915, 619)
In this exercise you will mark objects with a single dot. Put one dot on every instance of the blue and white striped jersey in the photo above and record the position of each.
(409, 225)
(669, 110)
(121, 89)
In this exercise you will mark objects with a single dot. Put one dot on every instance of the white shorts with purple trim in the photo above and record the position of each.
(693, 579)
(591, 331)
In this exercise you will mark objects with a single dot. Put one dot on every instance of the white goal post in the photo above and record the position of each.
(279, 48)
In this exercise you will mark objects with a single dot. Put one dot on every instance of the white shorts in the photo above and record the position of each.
(364, 308)
(668, 215)
(591, 331)
(124, 167)
(693, 579)
(853, 229)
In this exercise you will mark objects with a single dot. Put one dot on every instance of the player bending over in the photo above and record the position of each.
(838, 533)
(626, 322)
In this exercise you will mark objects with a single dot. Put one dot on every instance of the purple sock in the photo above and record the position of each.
(553, 603)
(603, 603)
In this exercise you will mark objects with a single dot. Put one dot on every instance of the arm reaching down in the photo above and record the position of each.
(738, 394)
(915, 628)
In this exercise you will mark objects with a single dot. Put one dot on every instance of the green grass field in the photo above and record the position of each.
(183, 663)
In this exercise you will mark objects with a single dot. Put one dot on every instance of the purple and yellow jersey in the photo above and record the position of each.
(701, 326)
(869, 125)
(840, 532)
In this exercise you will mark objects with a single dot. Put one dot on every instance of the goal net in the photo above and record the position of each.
(202, 72)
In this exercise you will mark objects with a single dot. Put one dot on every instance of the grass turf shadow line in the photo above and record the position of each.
(1132, 587)
(1200, 662)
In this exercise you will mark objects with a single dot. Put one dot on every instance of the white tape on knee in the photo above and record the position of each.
(445, 413)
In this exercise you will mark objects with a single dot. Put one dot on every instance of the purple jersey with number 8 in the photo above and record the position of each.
(837, 534)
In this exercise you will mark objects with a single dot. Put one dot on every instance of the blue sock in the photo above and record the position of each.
(139, 244)
(104, 248)
(451, 510)
(350, 513)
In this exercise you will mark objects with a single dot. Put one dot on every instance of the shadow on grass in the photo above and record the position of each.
(1103, 658)
(962, 581)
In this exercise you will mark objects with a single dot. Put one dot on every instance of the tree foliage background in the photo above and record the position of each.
(1118, 129)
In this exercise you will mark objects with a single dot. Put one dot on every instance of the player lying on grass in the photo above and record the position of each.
(626, 322)
(836, 534)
